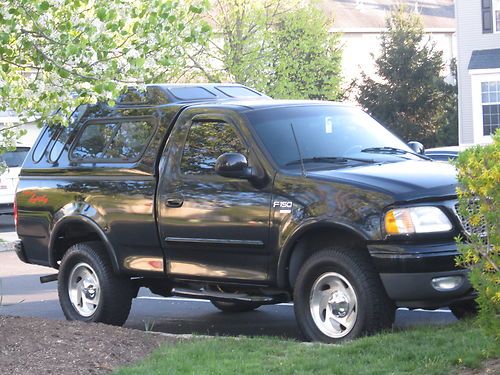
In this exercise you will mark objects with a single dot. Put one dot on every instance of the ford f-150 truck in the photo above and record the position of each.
(216, 191)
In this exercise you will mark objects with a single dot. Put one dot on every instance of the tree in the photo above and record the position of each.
(282, 48)
(410, 96)
(58, 54)
(447, 133)
(306, 57)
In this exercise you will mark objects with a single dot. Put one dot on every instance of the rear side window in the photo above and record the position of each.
(113, 140)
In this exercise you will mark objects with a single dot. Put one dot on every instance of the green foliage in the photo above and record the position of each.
(478, 195)
(58, 54)
(410, 97)
(423, 350)
(306, 57)
(282, 48)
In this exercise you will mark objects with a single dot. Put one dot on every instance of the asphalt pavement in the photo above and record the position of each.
(23, 295)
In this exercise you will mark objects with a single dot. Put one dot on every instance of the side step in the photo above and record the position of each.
(48, 278)
(203, 293)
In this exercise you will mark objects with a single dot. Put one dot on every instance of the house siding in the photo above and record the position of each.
(470, 37)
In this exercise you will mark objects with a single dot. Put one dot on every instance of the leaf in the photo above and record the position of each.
(63, 73)
(195, 9)
(101, 14)
(44, 6)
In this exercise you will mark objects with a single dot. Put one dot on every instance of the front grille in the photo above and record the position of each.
(469, 229)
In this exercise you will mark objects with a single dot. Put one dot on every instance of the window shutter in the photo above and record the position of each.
(487, 13)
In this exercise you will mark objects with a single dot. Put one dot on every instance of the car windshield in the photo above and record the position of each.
(326, 135)
(15, 158)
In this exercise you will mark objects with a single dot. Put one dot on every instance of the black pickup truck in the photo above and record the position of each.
(216, 191)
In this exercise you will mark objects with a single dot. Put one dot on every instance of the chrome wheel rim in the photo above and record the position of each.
(84, 290)
(333, 304)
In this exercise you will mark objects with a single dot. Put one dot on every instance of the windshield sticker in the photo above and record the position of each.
(328, 125)
(284, 206)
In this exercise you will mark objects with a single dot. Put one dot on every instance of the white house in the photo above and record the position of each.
(478, 44)
(362, 22)
(9, 118)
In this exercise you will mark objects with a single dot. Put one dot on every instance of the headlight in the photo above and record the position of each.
(423, 219)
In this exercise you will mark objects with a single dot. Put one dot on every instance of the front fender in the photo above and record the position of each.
(323, 226)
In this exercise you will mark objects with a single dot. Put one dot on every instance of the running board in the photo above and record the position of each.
(48, 278)
(221, 296)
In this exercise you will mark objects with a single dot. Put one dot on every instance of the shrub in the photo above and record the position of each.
(478, 193)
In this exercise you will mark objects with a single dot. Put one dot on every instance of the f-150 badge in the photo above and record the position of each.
(284, 207)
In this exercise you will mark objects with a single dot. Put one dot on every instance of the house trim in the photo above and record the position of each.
(478, 76)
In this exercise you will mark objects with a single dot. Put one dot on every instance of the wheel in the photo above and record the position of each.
(89, 290)
(234, 307)
(465, 310)
(338, 296)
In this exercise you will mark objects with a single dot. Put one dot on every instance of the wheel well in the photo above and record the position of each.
(314, 240)
(69, 234)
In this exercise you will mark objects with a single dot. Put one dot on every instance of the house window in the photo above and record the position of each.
(490, 98)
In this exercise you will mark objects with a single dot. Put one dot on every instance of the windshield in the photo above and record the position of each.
(326, 134)
(15, 158)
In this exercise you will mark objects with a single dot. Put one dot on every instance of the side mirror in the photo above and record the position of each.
(417, 147)
(233, 165)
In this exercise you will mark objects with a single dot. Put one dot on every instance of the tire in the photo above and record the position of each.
(235, 307)
(465, 310)
(88, 289)
(341, 284)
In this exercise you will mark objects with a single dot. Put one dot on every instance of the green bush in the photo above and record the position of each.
(478, 193)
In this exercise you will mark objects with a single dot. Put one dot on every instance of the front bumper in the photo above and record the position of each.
(407, 272)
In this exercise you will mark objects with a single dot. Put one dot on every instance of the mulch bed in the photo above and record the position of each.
(39, 346)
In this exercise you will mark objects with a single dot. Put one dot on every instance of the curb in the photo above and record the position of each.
(7, 246)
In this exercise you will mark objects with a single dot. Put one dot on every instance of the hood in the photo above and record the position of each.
(405, 181)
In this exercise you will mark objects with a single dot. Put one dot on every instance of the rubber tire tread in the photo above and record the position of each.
(376, 311)
(235, 307)
(116, 291)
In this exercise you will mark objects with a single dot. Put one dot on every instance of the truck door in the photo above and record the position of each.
(212, 227)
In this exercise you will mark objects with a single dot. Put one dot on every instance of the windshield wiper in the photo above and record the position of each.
(393, 150)
(328, 159)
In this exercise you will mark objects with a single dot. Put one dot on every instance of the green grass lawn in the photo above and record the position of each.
(424, 350)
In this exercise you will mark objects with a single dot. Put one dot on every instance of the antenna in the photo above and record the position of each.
(298, 149)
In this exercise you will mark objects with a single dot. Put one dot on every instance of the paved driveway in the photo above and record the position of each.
(23, 295)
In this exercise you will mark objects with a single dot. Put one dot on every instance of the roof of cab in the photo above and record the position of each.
(168, 93)
(268, 103)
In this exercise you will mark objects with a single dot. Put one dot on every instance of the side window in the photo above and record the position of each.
(206, 141)
(93, 141)
(65, 132)
(113, 141)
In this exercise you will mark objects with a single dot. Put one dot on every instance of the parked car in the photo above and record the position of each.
(12, 161)
(444, 153)
(216, 191)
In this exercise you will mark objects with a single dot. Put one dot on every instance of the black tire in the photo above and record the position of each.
(113, 296)
(465, 310)
(235, 307)
(348, 270)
